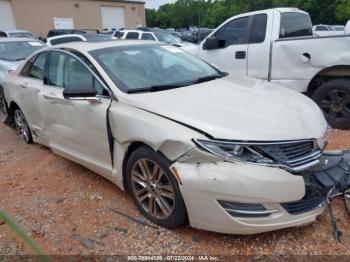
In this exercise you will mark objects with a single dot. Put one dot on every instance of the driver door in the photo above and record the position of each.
(231, 55)
(76, 129)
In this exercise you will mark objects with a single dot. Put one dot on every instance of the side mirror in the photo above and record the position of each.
(211, 43)
(79, 93)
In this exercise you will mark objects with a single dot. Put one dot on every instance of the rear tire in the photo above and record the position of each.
(22, 126)
(2, 101)
(333, 97)
(154, 188)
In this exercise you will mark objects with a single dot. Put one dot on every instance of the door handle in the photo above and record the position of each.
(50, 98)
(23, 86)
(241, 54)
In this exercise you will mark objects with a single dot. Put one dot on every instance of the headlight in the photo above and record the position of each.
(322, 141)
(233, 151)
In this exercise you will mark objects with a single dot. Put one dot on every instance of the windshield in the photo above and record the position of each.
(20, 34)
(153, 67)
(168, 38)
(16, 51)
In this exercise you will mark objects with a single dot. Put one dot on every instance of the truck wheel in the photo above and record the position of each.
(2, 101)
(333, 97)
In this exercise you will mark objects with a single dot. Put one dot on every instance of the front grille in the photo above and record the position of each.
(303, 206)
(294, 155)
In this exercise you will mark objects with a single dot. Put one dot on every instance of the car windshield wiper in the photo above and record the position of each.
(156, 88)
(209, 78)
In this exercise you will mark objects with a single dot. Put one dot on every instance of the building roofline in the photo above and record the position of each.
(124, 1)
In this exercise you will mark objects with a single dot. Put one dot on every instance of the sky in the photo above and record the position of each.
(156, 3)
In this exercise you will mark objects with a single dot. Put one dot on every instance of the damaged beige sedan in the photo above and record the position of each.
(188, 142)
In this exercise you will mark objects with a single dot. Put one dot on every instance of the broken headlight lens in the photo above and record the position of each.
(231, 151)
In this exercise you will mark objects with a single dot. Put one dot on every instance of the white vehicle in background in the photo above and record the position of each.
(278, 45)
(325, 30)
(339, 28)
(347, 28)
(13, 51)
(163, 37)
(16, 33)
(86, 37)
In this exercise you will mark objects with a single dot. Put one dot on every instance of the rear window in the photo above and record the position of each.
(295, 25)
(132, 35)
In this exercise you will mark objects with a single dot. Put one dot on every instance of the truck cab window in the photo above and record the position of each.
(132, 35)
(295, 25)
(258, 31)
(234, 32)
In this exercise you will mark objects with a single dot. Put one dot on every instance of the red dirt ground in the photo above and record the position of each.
(67, 210)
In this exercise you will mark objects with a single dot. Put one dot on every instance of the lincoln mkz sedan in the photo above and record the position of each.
(189, 143)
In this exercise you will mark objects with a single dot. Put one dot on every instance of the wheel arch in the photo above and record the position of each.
(327, 74)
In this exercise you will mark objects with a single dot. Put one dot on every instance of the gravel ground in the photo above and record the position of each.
(69, 210)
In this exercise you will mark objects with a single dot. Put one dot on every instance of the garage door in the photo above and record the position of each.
(112, 17)
(7, 20)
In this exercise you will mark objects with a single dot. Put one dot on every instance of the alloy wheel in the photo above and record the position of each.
(22, 126)
(153, 189)
(336, 104)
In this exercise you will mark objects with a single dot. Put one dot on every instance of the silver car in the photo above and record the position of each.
(13, 51)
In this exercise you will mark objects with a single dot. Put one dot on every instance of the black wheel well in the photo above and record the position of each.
(10, 111)
(328, 74)
(132, 147)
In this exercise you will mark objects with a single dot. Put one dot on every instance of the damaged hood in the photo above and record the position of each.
(243, 109)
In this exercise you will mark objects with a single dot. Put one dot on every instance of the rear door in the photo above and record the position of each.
(76, 129)
(29, 85)
(232, 53)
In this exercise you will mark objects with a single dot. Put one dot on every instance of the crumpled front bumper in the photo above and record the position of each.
(295, 199)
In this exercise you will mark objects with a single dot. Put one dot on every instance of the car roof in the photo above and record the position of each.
(15, 31)
(89, 46)
(18, 39)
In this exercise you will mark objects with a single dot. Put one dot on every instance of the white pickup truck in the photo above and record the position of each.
(278, 45)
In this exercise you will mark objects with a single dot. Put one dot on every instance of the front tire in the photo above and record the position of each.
(22, 126)
(333, 97)
(154, 188)
(2, 101)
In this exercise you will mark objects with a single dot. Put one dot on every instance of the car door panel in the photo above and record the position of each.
(232, 56)
(76, 129)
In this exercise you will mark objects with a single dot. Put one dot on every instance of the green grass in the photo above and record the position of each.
(22, 235)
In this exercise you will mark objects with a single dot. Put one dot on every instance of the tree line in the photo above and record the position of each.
(211, 13)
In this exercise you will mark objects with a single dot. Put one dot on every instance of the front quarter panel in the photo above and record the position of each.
(130, 125)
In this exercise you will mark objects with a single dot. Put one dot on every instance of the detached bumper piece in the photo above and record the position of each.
(331, 177)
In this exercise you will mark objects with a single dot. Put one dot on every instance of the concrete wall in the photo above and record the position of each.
(37, 15)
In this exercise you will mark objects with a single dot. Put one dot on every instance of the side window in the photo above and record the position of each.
(65, 40)
(119, 34)
(258, 31)
(3, 34)
(69, 73)
(147, 36)
(56, 74)
(132, 35)
(35, 67)
(321, 28)
(233, 33)
(37, 70)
